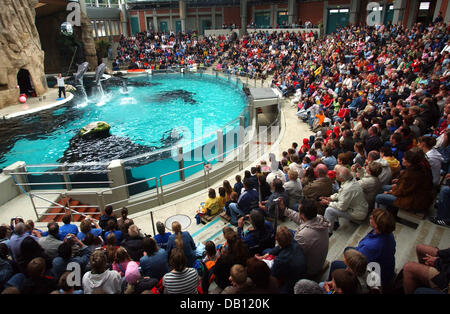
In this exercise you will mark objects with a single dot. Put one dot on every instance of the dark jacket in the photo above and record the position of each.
(254, 238)
(134, 247)
(373, 143)
(60, 264)
(248, 200)
(43, 285)
(103, 221)
(289, 265)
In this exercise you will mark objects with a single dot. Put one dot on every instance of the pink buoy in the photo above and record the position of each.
(22, 98)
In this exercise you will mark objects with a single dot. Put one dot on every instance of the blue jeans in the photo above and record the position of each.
(443, 211)
(385, 200)
(235, 211)
(16, 281)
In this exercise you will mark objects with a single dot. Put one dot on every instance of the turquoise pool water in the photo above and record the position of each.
(144, 115)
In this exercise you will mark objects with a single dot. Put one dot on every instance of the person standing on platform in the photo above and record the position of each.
(61, 86)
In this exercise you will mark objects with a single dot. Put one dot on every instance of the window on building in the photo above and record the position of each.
(424, 6)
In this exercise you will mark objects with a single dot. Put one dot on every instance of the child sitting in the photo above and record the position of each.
(306, 162)
(212, 205)
(162, 237)
(222, 198)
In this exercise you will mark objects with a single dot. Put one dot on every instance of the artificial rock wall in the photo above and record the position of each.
(20, 48)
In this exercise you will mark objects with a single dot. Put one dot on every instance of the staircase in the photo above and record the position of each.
(53, 212)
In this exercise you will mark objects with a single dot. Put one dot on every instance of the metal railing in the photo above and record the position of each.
(160, 190)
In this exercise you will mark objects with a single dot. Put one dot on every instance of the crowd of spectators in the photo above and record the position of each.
(377, 100)
(152, 50)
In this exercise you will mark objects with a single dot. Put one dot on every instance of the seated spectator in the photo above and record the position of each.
(123, 217)
(264, 188)
(293, 189)
(154, 262)
(134, 283)
(67, 228)
(30, 249)
(378, 245)
(412, 191)
(162, 237)
(349, 202)
(212, 204)
(247, 201)
(306, 286)
(277, 173)
(16, 239)
(133, 243)
(112, 228)
(65, 255)
(51, 242)
(443, 212)
(110, 248)
(108, 215)
(184, 238)
(92, 242)
(432, 269)
(65, 287)
(86, 226)
(182, 279)
(435, 159)
(121, 261)
(321, 186)
(269, 207)
(5, 234)
(356, 263)
(240, 283)
(394, 164)
(6, 266)
(99, 277)
(386, 174)
(360, 157)
(369, 181)
(234, 252)
(259, 236)
(38, 280)
(342, 282)
(311, 234)
(289, 264)
(263, 281)
(238, 186)
(328, 158)
(211, 254)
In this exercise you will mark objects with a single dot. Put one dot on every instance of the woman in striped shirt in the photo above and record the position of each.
(182, 279)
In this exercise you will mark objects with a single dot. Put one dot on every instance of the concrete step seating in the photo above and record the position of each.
(57, 211)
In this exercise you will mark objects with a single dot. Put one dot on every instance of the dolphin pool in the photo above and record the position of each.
(150, 115)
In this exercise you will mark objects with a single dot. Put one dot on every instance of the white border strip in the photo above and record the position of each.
(25, 112)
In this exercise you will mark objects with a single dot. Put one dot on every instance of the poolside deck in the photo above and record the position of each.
(35, 104)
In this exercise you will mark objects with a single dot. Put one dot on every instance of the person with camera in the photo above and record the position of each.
(89, 225)
(66, 256)
(259, 236)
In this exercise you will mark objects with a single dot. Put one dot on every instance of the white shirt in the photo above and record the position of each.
(60, 81)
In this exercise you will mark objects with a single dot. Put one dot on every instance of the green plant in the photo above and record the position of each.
(101, 46)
